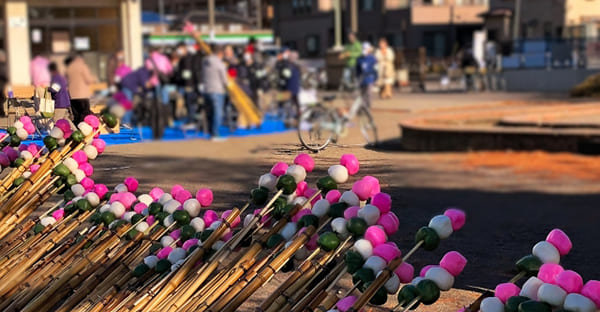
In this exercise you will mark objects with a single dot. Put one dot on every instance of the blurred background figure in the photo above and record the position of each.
(116, 70)
(60, 93)
(469, 65)
(385, 68)
(491, 65)
(352, 51)
(366, 72)
(80, 80)
(214, 80)
(186, 78)
(40, 76)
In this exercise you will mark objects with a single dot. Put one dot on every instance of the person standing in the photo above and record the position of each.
(352, 51)
(185, 79)
(40, 76)
(60, 93)
(214, 79)
(366, 72)
(116, 70)
(385, 68)
(80, 80)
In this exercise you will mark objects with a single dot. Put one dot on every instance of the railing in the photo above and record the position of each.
(554, 53)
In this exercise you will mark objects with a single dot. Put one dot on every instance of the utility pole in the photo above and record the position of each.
(517, 20)
(211, 15)
(337, 8)
(161, 13)
(259, 14)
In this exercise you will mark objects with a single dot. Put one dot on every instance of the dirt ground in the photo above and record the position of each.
(509, 210)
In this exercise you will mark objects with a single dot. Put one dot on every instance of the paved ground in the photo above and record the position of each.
(508, 212)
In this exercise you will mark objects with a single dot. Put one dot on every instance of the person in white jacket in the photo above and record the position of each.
(385, 67)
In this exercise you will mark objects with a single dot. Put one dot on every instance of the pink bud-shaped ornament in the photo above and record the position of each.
(4, 161)
(345, 304)
(389, 222)
(99, 144)
(506, 290)
(33, 149)
(300, 214)
(382, 201)
(570, 281)
(210, 216)
(58, 214)
(425, 269)
(204, 197)
(10, 153)
(175, 234)
(164, 252)
(560, 240)
(453, 262)
(115, 197)
(63, 125)
(29, 128)
(131, 183)
(87, 183)
(34, 168)
(25, 120)
(457, 217)
(175, 189)
(333, 196)
(156, 193)
(127, 199)
(305, 161)
(375, 187)
(362, 189)
(351, 163)
(139, 207)
(301, 188)
(23, 147)
(190, 243)
(183, 195)
(279, 169)
(87, 169)
(235, 222)
(405, 272)
(80, 157)
(387, 252)
(591, 290)
(351, 212)
(150, 219)
(549, 271)
(100, 190)
(375, 235)
(92, 120)
(312, 243)
(309, 192)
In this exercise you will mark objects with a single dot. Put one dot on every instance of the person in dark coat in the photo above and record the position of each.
(60, 93)
(250, 77)
(186, 78)
(134, 83)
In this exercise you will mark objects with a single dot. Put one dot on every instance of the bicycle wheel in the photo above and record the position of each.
(316, 128)
(367, 126)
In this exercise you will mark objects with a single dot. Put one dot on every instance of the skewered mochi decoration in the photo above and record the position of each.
(579, 303)
(305, 161)
(362, 189)
(351, 163)
(570, 281)
(338, 173)
(491, 304)
(192, 206)
(296, 171)
(320, 208)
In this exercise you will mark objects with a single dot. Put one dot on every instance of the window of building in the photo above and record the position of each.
(313, 45)
(301, 6)
(436, 43)
(367, 5)
(547, 30)
(395, 39)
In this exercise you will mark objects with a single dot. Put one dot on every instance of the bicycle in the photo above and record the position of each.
(320, 125)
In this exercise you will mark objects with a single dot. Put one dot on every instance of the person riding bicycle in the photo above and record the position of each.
(352, 51)
(366, 71)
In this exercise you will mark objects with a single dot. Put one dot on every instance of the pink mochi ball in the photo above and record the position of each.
(333, 196)
(63, 125)
(80, 157)
(164, 252)
(300, 214)
(362, 189)
(100, 190)
(190, 243)
(156, 193)
(33, 149)
(87, 183)
(506, 290)
(309, 192)
(549, 271)
(227, 236)
(99, 144)
(182, 196)
(591, 290)
(453, 262)
(139, 207)
(375, 235)
(351, 212)
(34, 168)
(210, 216)
(29, 128)
(301, 188)
(375, 187)
(279, 169)
(426, 268)
(405, 272)
(150, 219)
(10, 153)
(58, 214)
(345, 304)
(22, 147)
(570, 281)
(25, 120)
(382, 201)
(4, 161)
(457, 217)
(312, 243)
(87, 169)
(387, 252)
(92, 120)
(175, 189)
(127, 199)
(389, 222)
(175, 234)
(131, 183)
(305, 161)
(235, 222)
(204, 197)
(560, 240)
(115, 197)
(351, 163)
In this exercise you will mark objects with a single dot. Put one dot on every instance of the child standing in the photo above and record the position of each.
(366, 70)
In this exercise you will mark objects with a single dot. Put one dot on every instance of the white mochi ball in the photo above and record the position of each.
(552, 295)
(296, 171)
(578, 303)
(77, 189)
(491, 304)
(165, 198)
(62, 142)
(142, 226)
(168, 221)
(18, 124)
(128, 215)
(350, 198)
(121, 188)
(192, 206)
(392, 285)
(117, 209)
(45, 221)
(90, 151)
(321, 208)
(531, 287)
(171, 206)
(301, 200)
(215, 225)
(145, 199)
(79, 175)
(57, 133)
(22, 134)
(338, 173)
(71, 164)
(93, 199)
(268, 181)
(176, 255)
(375, 263)
(248, 219)
(85, 128)
(117, 110)
(546, 252)
(105, 208)
(218, 245)
(442, 226)
(151, 261)
(289, 230)
(364, 248)
(26, 174)
(26, 155)
(338, 225)
(290, 198)
(442, 278)
(369, 213)
(416, 280)
(166, 241)
(198, 224)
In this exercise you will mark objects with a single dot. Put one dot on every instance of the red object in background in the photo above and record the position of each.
(232, 72)
(250, 49)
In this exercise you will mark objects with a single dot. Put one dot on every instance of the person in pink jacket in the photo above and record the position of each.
(40, 75)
